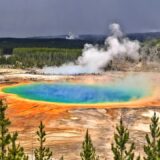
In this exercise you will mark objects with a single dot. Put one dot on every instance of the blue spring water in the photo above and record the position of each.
(76, 93)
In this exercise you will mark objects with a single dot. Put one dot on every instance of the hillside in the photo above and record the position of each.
(49, 51)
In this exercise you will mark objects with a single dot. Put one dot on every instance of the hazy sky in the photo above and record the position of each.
(20, 18)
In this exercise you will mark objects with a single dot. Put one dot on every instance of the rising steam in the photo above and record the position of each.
(94, 58)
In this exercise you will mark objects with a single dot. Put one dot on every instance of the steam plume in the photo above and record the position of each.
(94, 58)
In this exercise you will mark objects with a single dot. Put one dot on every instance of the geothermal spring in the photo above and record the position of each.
(68, 105)
(72, 93)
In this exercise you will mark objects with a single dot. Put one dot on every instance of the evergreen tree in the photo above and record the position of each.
(119, 148)
(88, 150)
(152, 148)
(16, 152)
(4, 133)
(42, 153)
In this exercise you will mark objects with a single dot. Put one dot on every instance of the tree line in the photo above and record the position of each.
(39, 57)
(10, 43)
(121, 147)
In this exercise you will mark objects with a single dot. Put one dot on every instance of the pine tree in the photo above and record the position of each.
(42, 153)
(119, 148)
(16, 152)
(4, 133)
(152, 148)
(88, 150)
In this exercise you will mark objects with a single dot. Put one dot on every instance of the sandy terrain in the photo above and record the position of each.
(66, 124)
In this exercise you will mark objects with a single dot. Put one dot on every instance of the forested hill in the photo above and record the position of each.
(62, 42)
(42, 43)
(40, 51)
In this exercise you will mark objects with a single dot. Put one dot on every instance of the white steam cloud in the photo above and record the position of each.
(95, 58)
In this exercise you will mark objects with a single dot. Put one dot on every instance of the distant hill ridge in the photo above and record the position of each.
(62, 42)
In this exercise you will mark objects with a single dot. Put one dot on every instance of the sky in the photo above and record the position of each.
(25, 18)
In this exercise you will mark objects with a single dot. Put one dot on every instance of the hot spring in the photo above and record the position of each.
(72, 93)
